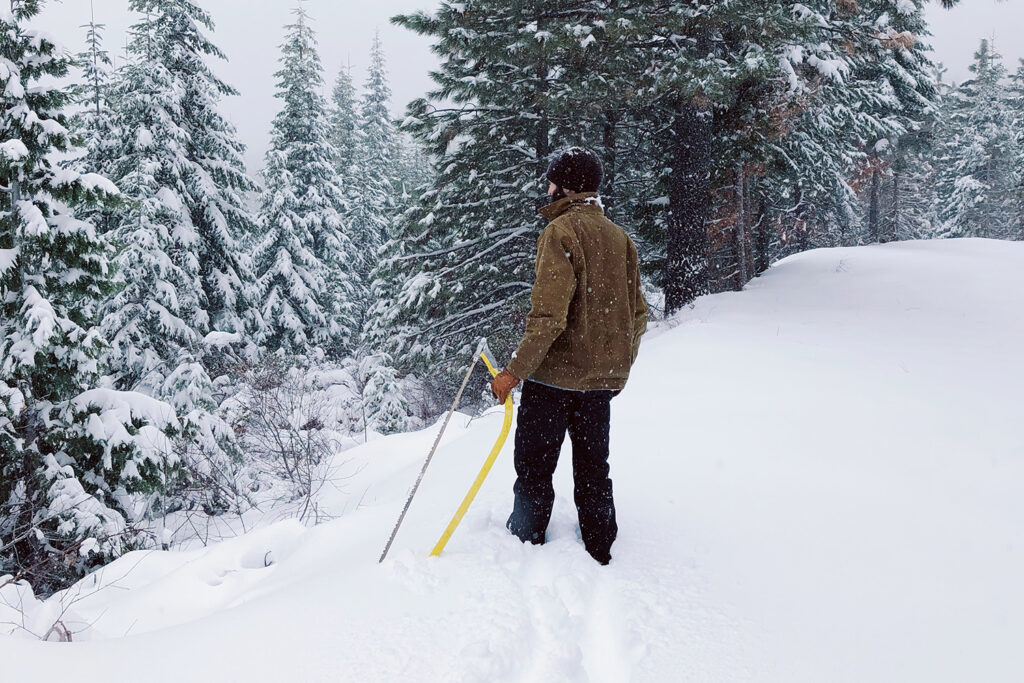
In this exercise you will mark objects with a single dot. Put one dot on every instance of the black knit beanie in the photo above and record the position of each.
(576, 169)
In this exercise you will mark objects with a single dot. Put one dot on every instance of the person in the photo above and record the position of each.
(582, 336)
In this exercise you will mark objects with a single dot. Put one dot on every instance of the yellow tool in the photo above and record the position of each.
(468, 500)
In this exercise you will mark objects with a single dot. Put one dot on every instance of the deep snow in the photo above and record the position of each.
(817, 479)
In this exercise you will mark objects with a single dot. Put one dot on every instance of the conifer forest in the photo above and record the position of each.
(185, 339)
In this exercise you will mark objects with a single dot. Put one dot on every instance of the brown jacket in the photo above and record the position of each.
(588, 312)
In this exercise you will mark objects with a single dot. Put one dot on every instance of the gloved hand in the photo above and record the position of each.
(503, 384)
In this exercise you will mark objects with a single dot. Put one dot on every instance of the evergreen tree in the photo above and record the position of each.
(70, 454)
(414, 172)
(894, 77)
(384, 403)
(462, 256)
(94, 123)
(159, 312)
(377, 172)
(976, 182)
(911, 198)
(1017, 109)
(345, 124)
(728, 131)
(672, 116)
(179, 162)
(304, 263)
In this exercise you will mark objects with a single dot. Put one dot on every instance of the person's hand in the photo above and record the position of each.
(503, 384)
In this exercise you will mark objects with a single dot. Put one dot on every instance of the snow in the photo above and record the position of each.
(126, 405)
(221, 339)
(793, 55)
(52, 128)
(8, 257)
(37, 38)
(13, 150)
(12, 87)
(42, 324)
(88, 181)
(94, 181)
(817, 478)
(906, 7)
(35, 222)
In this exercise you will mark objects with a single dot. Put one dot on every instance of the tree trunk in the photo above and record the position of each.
(894, 225)
(610, 130)
(540, 109)
(874, 234)
(689, 195)
(740, 230)
(762, 239)
(1020, 209)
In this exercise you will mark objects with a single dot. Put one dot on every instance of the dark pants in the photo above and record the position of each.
(544, 416)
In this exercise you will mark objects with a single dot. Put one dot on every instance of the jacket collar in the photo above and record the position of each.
(586, 201)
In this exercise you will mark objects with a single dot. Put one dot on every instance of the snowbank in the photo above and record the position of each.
(816, 479)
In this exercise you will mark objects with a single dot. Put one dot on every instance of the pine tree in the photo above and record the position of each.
(384, 403)
(70, 453)
(94, 123)
(895, 90)
(159, 311)
(791, 110)
(462, 256)
(1017, 109)
(377, 180)
(345, 124)
(912, 212)
(304, 263)
(414, 171)
(911, 198)
(975, 183)
(724, 128)
(179, 162)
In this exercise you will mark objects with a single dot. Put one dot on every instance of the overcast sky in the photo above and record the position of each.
(250, 31)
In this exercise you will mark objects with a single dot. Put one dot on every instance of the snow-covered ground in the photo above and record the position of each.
(817, 479)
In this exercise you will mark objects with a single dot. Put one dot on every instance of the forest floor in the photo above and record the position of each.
(817, 479)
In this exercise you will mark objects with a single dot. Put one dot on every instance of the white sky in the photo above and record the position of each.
(956, 33)
(250, 31)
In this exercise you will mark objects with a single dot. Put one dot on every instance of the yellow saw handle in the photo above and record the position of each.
(484, 471)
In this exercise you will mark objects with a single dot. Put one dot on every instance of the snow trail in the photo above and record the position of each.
(816, 479)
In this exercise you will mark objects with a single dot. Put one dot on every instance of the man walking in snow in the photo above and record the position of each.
(582, 336)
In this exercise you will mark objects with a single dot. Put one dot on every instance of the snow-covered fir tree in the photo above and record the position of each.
(461, 257)
(94, 120)
(910, 212)
(305, 261)
(96, 66)
(71, 453)
(345, 125)
(414, 170)
(838, 137)
(976, 179)
(681, 101)
(179, 162)
(1017, 109)
(383, 402)
(895, 80)
(94, 123)
(376, 181)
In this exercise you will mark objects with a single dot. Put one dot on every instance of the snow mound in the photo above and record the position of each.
(816, 479)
